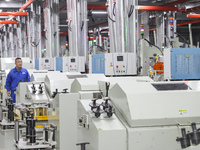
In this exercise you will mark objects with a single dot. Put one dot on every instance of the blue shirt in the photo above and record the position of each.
(14, 77)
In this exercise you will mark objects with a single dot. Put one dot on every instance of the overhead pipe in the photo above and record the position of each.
(188, 22)
(13, 13)
(160, 8)
(193, 15)
(8, 22)
(20, 10)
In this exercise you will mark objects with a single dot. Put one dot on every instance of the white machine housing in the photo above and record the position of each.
(146, 112)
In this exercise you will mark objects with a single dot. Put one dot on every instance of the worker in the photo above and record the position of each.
(16, 75)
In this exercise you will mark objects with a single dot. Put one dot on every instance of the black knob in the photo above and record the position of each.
(83, 145)
(110, 111)
(34, 90)
(94, 104)
(33, 87)
(106, 104)
(194, 135)
(98, 111)
(185, 139)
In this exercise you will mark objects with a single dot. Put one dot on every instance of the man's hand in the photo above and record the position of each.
(8, 93)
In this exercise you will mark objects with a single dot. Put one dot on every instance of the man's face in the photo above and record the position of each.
(18, 63)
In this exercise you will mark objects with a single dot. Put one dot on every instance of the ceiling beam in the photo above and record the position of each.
(160, 8)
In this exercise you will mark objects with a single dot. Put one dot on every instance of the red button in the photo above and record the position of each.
(70, 65)
(116, 66)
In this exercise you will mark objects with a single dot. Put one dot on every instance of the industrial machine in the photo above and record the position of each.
(7, 115)
(135, 116)
(180, 64)
(66, 103)
(24, 91)
(44, 64)
(70, 64)
(126, 114)
(31, 140)
(113, 64)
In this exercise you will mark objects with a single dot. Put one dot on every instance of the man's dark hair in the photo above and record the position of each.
(18, 58)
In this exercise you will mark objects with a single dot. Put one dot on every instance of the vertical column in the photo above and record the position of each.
(120, 22)
(56, 28)
(19, 36)
(130, 25)
(39, 31)
(33, 35)
(48, 29)
(160, 26)
(72, 27)
(29, 37)
(84, 31)
(5, 42)
(24, 26)
(15, 40)
(111, 24)
(1, 46)
(11, 37)
(190, 34)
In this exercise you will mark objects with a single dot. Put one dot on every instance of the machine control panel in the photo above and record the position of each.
(73, 65)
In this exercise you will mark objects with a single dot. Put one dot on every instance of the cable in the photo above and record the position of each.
(100, 47)
(69, 25)
(109, 15)
(82, 25)
(131, 11)
(185, 41)
(114, 8)
(151, 44)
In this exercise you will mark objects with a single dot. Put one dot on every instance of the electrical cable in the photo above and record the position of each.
(114, 8)
(69, 26)
(100, 47)
(151, 44)
(185, 41)
(82, 25)
(110, 18)
(131, 11)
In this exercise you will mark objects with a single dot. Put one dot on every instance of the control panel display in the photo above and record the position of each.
(73, 60)
(46, 61)
(120, 58)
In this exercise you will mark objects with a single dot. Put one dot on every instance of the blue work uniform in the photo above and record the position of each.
(14, 77)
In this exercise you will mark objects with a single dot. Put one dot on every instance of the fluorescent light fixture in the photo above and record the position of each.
(7, 0)
(99, 12)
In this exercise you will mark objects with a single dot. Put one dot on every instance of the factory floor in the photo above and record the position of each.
(7, 140)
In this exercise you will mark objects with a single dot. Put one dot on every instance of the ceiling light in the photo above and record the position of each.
(99, 12)
(7, 0)
(0, 10)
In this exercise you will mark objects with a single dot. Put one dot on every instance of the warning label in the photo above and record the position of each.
(183, 112)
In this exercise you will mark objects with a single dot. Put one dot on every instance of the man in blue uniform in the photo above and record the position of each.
(16, 75)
